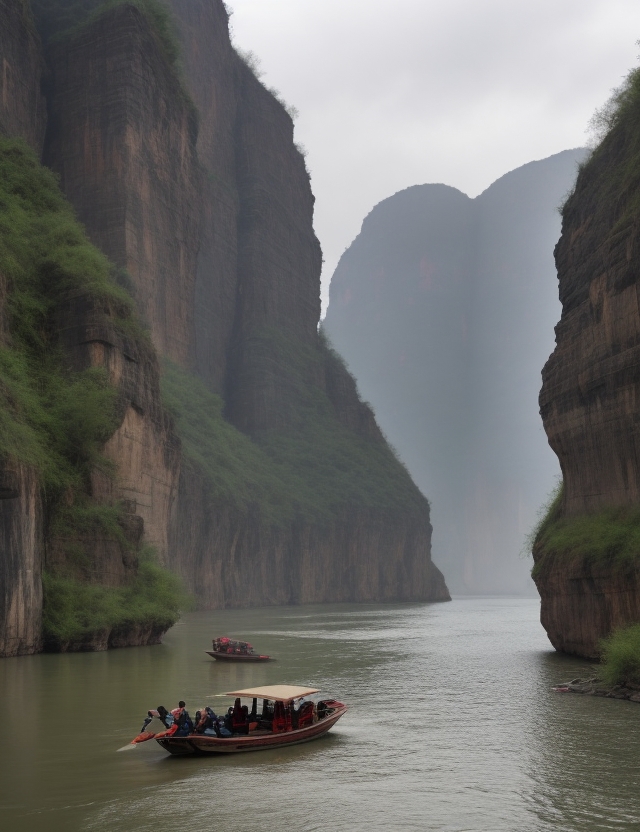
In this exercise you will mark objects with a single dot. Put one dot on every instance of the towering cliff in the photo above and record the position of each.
(22, 114)
(254, 471)
(443, 307)
(587, 548)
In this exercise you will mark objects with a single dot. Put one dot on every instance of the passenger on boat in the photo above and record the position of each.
(160, 713)
(182, 720)
(267, 712)
(204, 719)
(240, 718)
(228, 720)
(305, 715)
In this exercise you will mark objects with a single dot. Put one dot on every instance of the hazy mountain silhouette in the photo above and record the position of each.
(444, 309)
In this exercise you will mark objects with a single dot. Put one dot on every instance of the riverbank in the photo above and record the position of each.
(596, 687)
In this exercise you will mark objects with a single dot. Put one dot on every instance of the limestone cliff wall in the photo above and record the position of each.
(22, 114)
(208, 215)
(122, 137)
(23, 110)
(145, 447)
(21, 550)
(444, 308)
(236, 560)
(582, 602)
(590, 397)
(258, 272)
(21, 543)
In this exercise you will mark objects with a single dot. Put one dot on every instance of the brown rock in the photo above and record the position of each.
(22, 114)
(21, 549)
(23, 110)
(122, 137)
(144, 448)
(583, 602)
(590, 397)
(232, 559)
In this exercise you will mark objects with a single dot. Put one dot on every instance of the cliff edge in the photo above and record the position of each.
(586, 551)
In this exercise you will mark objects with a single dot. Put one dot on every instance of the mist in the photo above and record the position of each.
(444, 308)
(393, 95)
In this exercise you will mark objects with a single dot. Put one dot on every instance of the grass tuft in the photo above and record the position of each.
(621, 657)
(610, 536)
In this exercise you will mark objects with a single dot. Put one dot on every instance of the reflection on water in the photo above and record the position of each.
(452, 726)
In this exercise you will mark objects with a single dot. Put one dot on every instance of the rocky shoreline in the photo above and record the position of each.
(596, 687)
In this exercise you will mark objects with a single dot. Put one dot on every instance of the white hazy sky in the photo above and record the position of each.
(412, 91)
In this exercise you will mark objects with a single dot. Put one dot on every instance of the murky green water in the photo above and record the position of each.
(452, 726)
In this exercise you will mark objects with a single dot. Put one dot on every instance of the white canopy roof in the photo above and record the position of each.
(276, 692)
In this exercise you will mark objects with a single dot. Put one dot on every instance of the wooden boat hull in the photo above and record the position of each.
(238, 657)
(199, 744)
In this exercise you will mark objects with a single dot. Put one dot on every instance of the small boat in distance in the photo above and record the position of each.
(279, 723)
(228, 650)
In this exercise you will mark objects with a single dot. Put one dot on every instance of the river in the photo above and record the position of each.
(452, 726)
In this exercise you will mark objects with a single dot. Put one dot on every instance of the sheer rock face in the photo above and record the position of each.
(21, 544)
(590, 397)
(122, 137)
(144, 448)
(23, 110)
(213, 224)
(22, 114)
(260, 261)
(583, 602)
(301, 563)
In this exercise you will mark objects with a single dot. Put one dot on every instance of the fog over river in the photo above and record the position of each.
(452, 727)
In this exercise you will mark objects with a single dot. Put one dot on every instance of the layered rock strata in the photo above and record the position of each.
(590, 397)
(257, 271)
(194, 189)
(22, 114)
(122, 136)
(23, 110)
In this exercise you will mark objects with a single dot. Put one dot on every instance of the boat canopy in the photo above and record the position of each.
(278, 693)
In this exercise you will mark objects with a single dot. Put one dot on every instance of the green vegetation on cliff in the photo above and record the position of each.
(621, 657)
(616, 157)
(611, 535)
(52, 418)
(61, 18)
(237, 470)
(310, 468)
(75, 612)
(326, 463)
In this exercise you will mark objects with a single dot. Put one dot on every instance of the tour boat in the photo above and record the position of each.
(273, 729)
(228, 650)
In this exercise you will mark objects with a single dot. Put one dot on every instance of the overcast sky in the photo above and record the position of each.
(413, 91)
